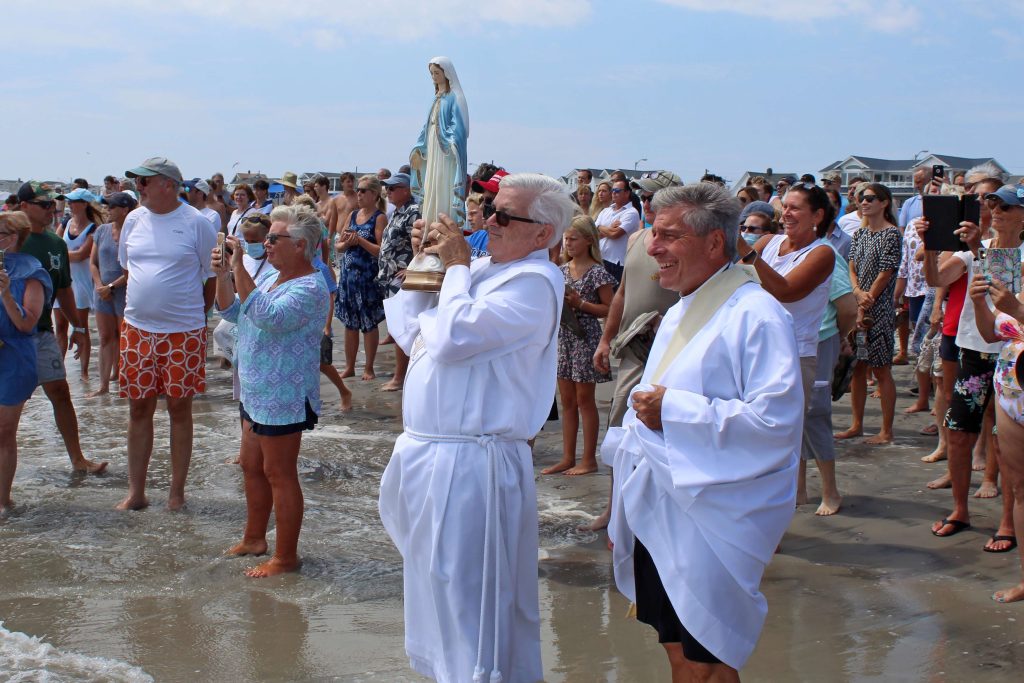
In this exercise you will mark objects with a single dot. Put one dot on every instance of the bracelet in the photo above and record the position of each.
(79, 329)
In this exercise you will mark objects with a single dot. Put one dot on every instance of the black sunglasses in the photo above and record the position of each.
(868, 198)
(273, 237)
(361, 190)
(262, 219)
(43, 204)
(503, 218)
(646, 197)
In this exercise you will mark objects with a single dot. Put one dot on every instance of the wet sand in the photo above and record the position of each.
(869, 594)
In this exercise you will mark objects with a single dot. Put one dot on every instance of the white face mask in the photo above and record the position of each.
(750, 237)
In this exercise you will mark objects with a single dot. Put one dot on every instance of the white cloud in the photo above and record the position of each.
(890, 16)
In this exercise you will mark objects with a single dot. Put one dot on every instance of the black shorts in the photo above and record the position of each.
(972, 391)
(655, 609)
(326, 350)
(948, 350)
(615, 270)
(281, 430)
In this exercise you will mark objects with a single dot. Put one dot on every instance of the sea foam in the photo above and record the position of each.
(25, 658)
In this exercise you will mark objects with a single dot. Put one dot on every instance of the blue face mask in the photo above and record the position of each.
(750, 237)
(255, 250)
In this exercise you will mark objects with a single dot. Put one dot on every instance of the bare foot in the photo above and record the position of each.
(388, 340)
(876, 394)
(349, 372)
(391, 385)
(562, 466)
(233, 461)
(916, 408)
(801, 497)
(942, 482)
(1010, 594)
(368, 375)
(98, 392)
(90, 466)
(900, 359)
(585, 468)
(6, 509)
(879, 438)
(175, 503)
(851, 433)
(986, 490)
(248, 548)
(132, 504)
(600, 522)
(978, 465)
(225, 364)
(829, 506)
(346, 401)
(272, 567)
(935, 456)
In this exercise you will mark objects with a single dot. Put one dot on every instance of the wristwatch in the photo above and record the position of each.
(79, 329)
(750, 257)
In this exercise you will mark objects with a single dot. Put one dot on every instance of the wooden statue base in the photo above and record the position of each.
(423, 281)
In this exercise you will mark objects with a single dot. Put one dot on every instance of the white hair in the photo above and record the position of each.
(549, 201)
(303, 224)
(986, 170)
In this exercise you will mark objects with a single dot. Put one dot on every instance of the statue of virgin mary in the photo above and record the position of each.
(438, 164)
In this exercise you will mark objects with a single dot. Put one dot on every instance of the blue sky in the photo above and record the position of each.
(95, 86)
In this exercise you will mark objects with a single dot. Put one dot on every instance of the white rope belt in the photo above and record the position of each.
(492, 540)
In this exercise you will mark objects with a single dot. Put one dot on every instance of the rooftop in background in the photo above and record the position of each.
(603, 174)
(898, 174)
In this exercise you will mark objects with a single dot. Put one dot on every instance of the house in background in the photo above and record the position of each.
(898, 174)
(770, 175)
(602, 174)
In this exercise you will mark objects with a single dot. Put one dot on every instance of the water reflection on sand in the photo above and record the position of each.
(867, 595)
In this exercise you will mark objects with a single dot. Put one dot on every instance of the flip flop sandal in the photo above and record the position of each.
(997, 537)
(957, 525)
(929, 430)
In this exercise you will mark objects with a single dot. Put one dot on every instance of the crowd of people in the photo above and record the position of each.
(728, 315)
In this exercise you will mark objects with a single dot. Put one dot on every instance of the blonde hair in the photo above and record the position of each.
(19, 221)
(305, 200)
(476, 198)
(596, 206)
(373, 185)
(585, 227)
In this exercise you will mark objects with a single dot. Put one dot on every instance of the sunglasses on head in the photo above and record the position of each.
(502, 217)
(273, 237)
(261, 219)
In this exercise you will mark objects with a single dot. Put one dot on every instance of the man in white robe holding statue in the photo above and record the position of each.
(705, 462)
(458, 497)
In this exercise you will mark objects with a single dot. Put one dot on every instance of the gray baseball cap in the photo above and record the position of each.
(156, 166)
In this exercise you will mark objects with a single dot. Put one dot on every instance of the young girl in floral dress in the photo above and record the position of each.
(588, 294)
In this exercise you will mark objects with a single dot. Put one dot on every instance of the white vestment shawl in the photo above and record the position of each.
(711, 495)
(458, 496)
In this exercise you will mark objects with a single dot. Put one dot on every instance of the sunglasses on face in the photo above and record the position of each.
(868, 198)
(43, 205)
(994, 204)
(646, 197)
(361, 190)
(502, 217)
(273, 237)
(616, 190)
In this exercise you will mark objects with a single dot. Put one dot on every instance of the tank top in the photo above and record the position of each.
(807, 312)
(640, 278)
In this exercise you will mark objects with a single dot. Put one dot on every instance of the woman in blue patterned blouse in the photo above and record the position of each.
(280, 321)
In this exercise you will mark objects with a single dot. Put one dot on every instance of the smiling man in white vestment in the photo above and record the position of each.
(458, 497)
(706, 458)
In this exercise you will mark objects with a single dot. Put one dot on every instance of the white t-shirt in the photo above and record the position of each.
(807, 312)
(167, 257)
(613, 250)
(211, 216)
(967, 335)
(849, 223)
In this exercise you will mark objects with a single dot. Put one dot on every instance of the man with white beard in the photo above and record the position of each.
(458, 496)
(705, 462)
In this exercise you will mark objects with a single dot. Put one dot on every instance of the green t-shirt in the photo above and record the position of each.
(52, 252)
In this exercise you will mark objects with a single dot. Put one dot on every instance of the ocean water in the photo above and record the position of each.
(31, 659)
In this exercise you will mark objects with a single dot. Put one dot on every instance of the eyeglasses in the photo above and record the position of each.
(273, 237)
(646, 197)
(868, 198)
(502, 217)
(993, 204)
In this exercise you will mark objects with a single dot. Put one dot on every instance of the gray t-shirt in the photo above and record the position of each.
(104, 242)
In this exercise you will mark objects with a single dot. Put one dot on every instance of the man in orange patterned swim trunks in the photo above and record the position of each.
(165, 247)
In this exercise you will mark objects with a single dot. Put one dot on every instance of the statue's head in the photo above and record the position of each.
(437, 75)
